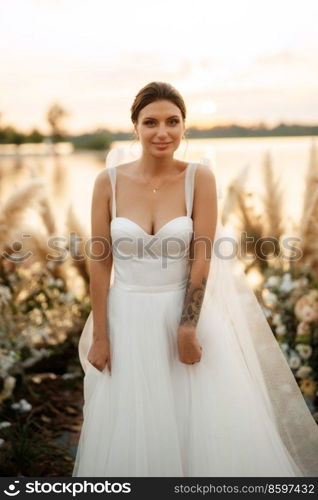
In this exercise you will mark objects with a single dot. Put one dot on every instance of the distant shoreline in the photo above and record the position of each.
(66, 148)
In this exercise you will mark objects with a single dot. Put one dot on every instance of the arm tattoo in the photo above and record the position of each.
(193, 302)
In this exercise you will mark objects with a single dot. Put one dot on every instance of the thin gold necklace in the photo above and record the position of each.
(154, 189)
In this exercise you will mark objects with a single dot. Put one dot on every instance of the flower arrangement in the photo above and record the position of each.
(291, 300)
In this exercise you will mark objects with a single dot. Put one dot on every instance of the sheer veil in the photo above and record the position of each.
(276, 388)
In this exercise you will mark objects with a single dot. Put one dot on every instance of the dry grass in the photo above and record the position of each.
(12, 212)
(47, 215)
(272, 202)
(239, 203)
(234, 194)
(308, 227)
(311, 182)
(74, 226)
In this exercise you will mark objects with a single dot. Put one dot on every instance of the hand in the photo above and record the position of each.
(99, 353)
(189, 348)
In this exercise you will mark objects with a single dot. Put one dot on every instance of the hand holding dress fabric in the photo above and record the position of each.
(99, 354)
(189, 348)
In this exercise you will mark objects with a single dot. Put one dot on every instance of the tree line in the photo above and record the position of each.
(102, 137)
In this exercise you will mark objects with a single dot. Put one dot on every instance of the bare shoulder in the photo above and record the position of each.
(102, 183)
(126, 168)
(122, 167)
(204, 177)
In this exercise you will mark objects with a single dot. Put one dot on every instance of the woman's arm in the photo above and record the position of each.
(100, 264)
(204, 226)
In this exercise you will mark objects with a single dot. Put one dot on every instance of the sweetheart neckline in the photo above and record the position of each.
(157, 232)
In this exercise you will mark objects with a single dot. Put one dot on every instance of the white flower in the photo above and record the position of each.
(22, 406)
(5, 295)
(67, 376)
(8, 386)
(50, 280)
(272, 281)
(270, 299)
(281, 330)
(304, 350)
(5, 424)
(284, 346)
(277, 319)
(1, 441)
(67, 298)
(303, 281)
(286, 286)
(304, 371)
(294, 361)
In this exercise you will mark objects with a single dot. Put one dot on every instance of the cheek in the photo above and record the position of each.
(147, 134)
(176, 132)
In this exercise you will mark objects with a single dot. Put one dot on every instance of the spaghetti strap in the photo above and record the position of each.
(189, 187)
(112, 176)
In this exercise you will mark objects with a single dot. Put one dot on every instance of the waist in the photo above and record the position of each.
(181, 285)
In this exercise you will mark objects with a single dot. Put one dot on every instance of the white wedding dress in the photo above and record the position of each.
(238, 412)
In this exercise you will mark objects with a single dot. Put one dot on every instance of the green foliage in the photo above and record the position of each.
(9, 135)
(35, 137)
(100, 140)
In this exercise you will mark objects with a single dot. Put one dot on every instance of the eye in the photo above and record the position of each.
(149, 122)
(175, 120)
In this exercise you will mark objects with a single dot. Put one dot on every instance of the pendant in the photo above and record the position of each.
(154, 190)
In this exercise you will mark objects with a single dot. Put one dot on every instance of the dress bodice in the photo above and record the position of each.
(152, 262)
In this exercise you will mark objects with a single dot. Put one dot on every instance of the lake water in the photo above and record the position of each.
(70, 177)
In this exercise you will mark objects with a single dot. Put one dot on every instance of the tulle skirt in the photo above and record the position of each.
(156, 416)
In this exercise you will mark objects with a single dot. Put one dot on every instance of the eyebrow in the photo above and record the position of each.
(152, 118)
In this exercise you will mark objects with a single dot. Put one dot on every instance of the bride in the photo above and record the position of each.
(183, 376)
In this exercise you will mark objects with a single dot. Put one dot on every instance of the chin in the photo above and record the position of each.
(161, 154)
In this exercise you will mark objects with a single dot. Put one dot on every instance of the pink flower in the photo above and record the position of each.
(309, 314)
(304, 310)
(303, 328)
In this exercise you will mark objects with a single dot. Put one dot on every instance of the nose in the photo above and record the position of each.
(162, 132)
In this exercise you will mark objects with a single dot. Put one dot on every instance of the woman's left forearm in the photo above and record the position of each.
(195, 291)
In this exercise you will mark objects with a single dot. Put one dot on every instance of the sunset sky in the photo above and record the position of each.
(241, 61)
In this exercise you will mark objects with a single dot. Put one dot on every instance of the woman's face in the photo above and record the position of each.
(160, 128)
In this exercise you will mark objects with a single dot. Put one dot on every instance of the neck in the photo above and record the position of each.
(155, 167)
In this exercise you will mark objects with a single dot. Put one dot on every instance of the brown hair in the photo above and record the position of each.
(156, 91)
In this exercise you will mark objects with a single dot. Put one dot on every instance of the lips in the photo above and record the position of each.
(162, 143)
